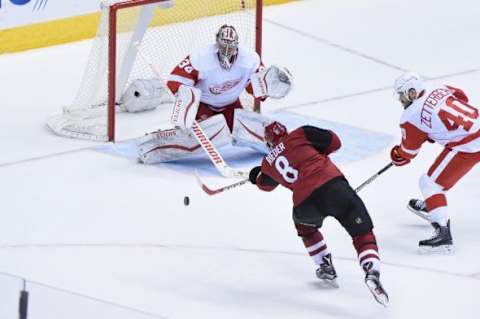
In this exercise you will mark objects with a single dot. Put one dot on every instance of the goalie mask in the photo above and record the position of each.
(274, 133)
(227, 44)
(405, 84)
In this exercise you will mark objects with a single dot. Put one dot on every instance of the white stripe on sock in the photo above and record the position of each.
(368, 252)
(316, 246)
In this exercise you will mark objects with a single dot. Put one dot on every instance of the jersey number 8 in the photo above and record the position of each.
(289, 174)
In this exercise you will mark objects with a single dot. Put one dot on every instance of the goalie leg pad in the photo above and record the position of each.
(185, 107)
(274, 81)
(144, 95)
(174, 144)
(249, 130)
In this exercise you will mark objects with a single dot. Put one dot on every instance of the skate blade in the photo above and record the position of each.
(441, 250)
(380, 297)
(420, 214)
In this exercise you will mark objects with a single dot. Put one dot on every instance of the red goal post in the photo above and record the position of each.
(167, 31)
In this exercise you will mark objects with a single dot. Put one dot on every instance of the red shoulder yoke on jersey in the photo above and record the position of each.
(459, 94)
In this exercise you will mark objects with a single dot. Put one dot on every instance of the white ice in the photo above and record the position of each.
(78, 218)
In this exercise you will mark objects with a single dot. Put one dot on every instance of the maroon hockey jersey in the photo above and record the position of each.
(300, 162)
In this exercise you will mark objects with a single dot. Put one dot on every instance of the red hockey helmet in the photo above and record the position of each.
(274, 132)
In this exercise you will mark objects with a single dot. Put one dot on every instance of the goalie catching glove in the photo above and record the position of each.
(274, 81)
(144, 95)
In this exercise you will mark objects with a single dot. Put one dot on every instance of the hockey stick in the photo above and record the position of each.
(371, 179)
(215, 191)
(199, 134)
(213, 154)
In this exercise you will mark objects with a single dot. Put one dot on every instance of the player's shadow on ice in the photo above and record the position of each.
(418, 225)
(319, 284)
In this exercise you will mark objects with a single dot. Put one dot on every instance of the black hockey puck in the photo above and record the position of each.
(186, 200)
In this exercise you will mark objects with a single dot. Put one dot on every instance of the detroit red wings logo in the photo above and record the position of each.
(223, 87)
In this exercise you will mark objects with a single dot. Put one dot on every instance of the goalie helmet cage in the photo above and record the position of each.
(166, 31)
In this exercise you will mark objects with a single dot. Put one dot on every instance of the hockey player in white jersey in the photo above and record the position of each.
(207, 85)
(440, 114)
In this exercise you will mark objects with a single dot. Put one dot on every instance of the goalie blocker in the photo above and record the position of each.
(187, 100)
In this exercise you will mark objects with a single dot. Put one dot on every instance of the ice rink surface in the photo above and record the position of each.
(76, 216)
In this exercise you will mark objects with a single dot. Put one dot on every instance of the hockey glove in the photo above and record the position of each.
(254, 172)
(397, 159)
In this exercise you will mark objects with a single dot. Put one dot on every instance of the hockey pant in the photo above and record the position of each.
(449, 167)
(336, 199)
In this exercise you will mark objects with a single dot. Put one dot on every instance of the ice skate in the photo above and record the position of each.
(418, 207)
(372, 280)
(326, 271)
(441, 242)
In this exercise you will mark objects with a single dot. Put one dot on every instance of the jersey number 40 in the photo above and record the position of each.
(456, 113)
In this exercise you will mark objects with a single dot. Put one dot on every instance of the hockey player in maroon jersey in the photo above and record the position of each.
(439, 114)
(299, 161)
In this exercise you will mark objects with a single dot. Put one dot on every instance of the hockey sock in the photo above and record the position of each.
(437, 209)
(367, 250)
(314, 242)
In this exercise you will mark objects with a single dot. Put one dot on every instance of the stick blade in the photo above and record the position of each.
(211, 191)
(204, 187)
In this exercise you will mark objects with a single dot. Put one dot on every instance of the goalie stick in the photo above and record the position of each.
(202, 138)
(215, 191)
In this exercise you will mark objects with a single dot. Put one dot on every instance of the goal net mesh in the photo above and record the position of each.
(165, 32)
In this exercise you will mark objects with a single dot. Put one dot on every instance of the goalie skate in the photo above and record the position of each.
(326, 272)
(440, 243)
(418, 207)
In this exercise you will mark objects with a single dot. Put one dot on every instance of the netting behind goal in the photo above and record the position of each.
(165, 32)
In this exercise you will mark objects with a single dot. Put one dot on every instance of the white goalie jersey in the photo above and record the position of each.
(218, 86)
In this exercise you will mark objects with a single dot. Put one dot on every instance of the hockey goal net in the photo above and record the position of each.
(165, 31)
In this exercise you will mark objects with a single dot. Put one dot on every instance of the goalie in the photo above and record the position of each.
(207, 85)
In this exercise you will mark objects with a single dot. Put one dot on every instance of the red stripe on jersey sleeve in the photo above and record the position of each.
(412, 140)
(173, 86)
(183, 70)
